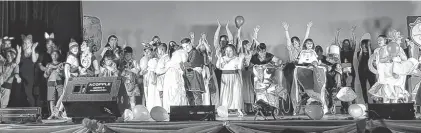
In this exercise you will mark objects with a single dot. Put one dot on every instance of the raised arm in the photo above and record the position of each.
(255, 35)
(18, 57)
(286, 27)
(338, 31)
(206, 44)
(191, 38)
(309, 25)
(229, 34)
(34, 54)
(353, 40)
(239, 42)
(216, 37)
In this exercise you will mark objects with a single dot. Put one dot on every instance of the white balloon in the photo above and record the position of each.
(128, 115)
(222, 111)
(357, 110)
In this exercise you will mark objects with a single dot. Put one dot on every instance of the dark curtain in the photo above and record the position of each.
(63, 18)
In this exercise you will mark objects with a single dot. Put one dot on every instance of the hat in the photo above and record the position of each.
(6, 38)
(12, 50)
(73, 44)
(49, 36)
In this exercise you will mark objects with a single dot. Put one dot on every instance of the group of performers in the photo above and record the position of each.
(187, 73)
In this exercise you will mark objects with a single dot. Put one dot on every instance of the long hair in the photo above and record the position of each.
(108, 40)
(365, 43)
(173, 48)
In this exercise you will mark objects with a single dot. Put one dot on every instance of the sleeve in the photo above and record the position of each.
(191, 59)
(160, 69)
(219, 63)
(338, 80)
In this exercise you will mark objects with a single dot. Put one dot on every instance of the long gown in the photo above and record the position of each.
(231, 82)
(247, 76)
(152, 94)
(388, 86)
(174, 93)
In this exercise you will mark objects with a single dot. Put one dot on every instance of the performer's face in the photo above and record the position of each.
(262, 52)
(54, 56)
(84, 47)
(223, 41)
(296, 43)
(346, 45)
(113, 41)
(10, 56)
(309, 45)
(229, 52)
(27, 44)
(74, 50)
(381, 41)
(128, 56)
(187, 47)
(108, 61)
(7, 44)
(148, 53)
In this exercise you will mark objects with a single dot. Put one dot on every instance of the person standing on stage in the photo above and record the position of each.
(89, 64)
(129, 69)
(108, 66)
(174, 93)
(9, 70)
(54, 74)
(231, 81)
(27, 68)
(160, 69)
(193, 72)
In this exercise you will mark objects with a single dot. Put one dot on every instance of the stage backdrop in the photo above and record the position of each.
(136, 22)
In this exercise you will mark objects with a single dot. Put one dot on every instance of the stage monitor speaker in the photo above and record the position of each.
(394, 111)
(192, 113)
(95, 97)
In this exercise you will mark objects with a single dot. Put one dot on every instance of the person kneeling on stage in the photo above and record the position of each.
(9, 70)
(55, 74)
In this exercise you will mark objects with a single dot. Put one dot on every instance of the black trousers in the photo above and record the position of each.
(366, 75)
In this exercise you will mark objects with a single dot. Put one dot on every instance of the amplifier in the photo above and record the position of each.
(192, 113)
(394, 111)
(95, 97)
(20, 114)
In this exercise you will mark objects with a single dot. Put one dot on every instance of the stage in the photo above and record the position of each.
(329, 124)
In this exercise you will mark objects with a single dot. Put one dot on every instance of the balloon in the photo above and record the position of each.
(140, 113)
(128, 115)
(239, 21)
(222, 111)
(357, 110)
(159, 114)
(346, 94)
(314, 111)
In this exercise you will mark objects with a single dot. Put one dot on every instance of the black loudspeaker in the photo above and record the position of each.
(394, 111)
(192, 113)
(95, 97)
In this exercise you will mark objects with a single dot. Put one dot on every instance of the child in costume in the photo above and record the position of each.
(55, 75)
(9, 70)
(108, 66)
(129, 70)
